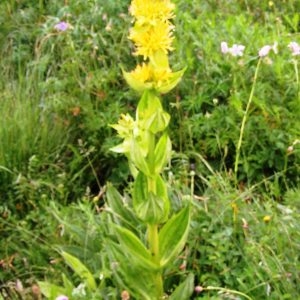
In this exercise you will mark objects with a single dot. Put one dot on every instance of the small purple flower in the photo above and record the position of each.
(265, 50)
(61, 297)
(295, 48)
(62, 26)
(237, 50)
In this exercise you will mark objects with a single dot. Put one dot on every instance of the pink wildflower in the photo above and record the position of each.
(198, 289)
(295, 48)
(224, 47)
(62, 26)
(61, 297)
(265, 50)
(235, 50)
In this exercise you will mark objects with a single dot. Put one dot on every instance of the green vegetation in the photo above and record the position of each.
(60, 90)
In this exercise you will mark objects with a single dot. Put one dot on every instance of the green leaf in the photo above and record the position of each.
(158, 121)
(80, 269)
(68, 285)
(137, 158)
(162, 192)
(140, 196)
(135, 84)
(173, 235)
(133, 170)
(156, 212)
(148, 105)
(135, 248)
(150, 113)
(159, 60)
(172, 82)
(162, 152)
(122, 214)
(51, 291)
(121, 148)
(138, 281)
(150, 206)
(184, 290)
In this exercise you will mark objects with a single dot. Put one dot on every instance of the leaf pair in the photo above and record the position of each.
(172, 238)
(136, 267)
(150, 199)
(130, 275)
(150, 113)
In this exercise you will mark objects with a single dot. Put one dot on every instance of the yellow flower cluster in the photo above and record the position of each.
(150, 39)
(152, 30)
(149, 12)
(152, 35)
(146, 73)
(125, 126)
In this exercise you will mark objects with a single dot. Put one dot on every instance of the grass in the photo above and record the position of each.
(60, 90)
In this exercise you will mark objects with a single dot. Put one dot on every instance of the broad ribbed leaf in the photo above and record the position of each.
(147, 106)
(171, 82)
(162, 153)
(51, 291)
(158, 121)
(68, 285)
(138, 159)
(162, 192)
(135, 84)
(173, 235)
(184, 290)
(80, 269)
(115, 202)
(140, 195)
(135, 248)
(138, 281)
(150, 206)
(159, 59)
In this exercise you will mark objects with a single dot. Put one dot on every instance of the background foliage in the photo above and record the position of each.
(60, 90)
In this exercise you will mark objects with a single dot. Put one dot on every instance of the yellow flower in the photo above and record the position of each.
(150, 39)
(147, 76)
(161, 75)
(133, 135)
(152, 10)
(142, 73)
(125, 126)
(146, 73)
(267, 219)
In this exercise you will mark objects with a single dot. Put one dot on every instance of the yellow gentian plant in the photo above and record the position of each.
(142, 259)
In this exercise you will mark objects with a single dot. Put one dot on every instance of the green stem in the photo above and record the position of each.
(151, 160)
(153, 239)
(154, 250)
(151, 150)
(211, 288)
(297, 78)
(238, 150)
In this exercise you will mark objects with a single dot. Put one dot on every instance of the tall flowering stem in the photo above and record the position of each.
(147, 146)
(239, 144)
